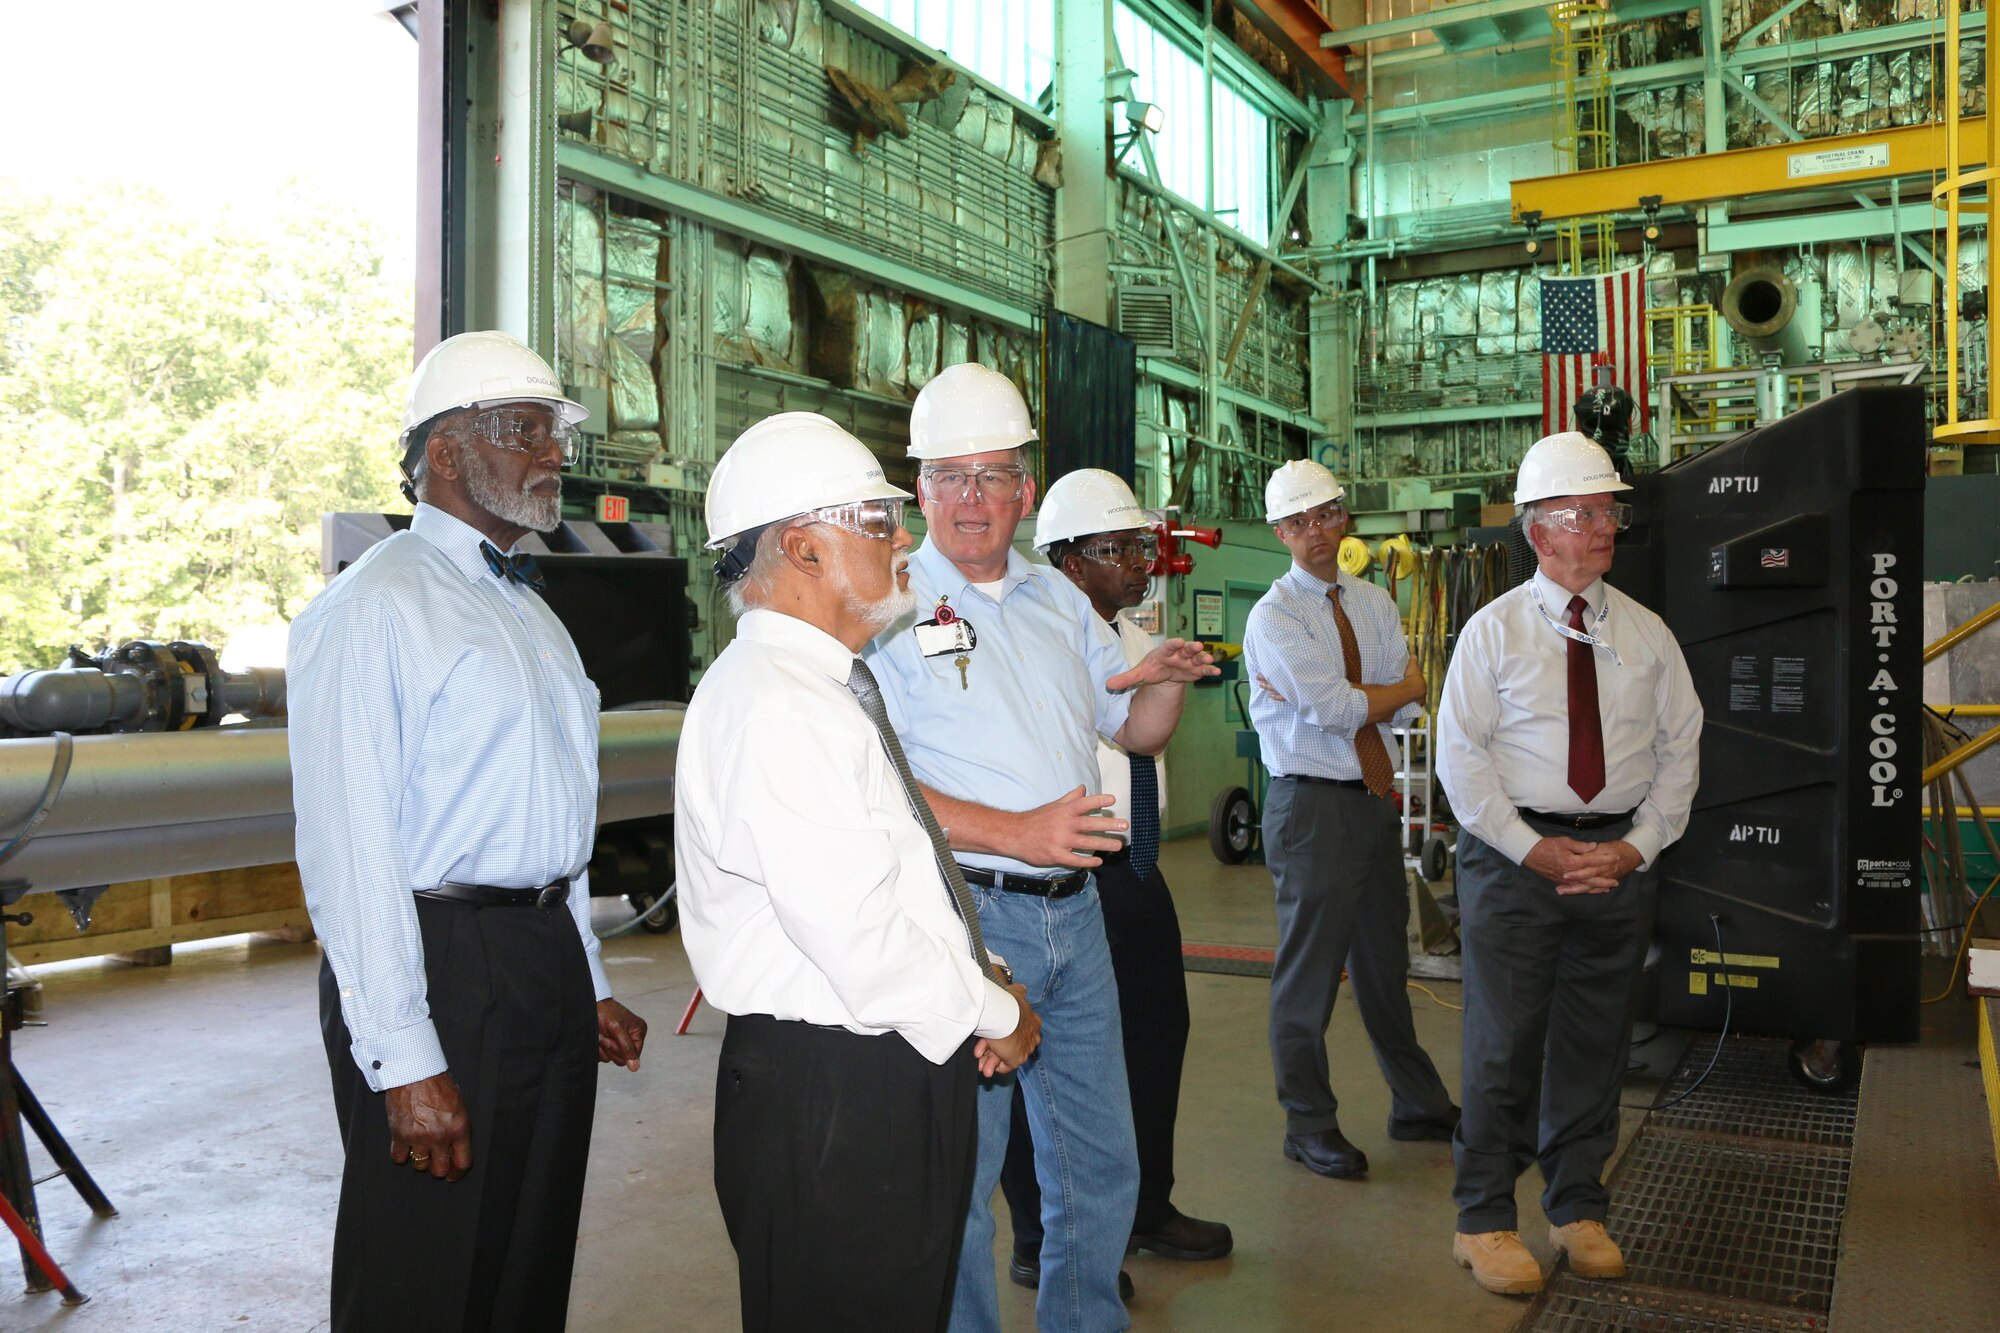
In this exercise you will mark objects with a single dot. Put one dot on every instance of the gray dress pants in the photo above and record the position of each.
(1549, 986)
(1342, 900)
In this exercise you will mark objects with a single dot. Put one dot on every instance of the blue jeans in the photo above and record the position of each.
(1080, 1112)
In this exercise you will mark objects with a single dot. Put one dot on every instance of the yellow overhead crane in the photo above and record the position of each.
(1810, 164)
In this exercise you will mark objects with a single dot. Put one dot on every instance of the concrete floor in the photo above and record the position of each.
(197, 1094)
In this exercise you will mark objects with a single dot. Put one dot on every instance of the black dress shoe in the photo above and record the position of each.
(1327, 1152)
(1424, 1131)
(1184, 1237)
(1028, 1273)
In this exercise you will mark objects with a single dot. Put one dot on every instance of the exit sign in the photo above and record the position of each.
(612, 508)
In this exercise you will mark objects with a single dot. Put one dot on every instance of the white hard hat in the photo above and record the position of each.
(484, 367)
(1089, 500)
(786, 465)
(1298, 486)
(968, 409)
(1567, 463)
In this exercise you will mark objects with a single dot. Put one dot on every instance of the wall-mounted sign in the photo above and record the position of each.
(1207, 614)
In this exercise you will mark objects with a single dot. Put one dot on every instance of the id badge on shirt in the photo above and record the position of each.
(947, 634)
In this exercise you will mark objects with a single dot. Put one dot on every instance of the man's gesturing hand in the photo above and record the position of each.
(1177, 662)
(1065, 831)
(621, 1035)
(428, 1127)
(1003, 1055)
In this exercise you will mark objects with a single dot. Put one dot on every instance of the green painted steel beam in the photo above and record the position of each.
(1435, 416)
(1178, 375)
(1444, 16)
(1855, 224)
(594, 167)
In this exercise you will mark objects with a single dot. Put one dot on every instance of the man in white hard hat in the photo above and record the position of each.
(1568, 741)
(1000, 684)
(823, 913)
(444, 770)
(1333, 672)
(1090, 527)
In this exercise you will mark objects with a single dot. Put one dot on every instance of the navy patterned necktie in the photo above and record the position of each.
(519, 567)
(861, 684)
(1145, 814)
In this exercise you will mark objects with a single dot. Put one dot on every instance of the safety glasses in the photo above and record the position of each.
(956, 485)
(521, 430)
(876, 519)
(1324, 516)
(1590, 518)
(1138, 549)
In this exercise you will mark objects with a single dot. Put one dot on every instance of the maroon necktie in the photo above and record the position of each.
(1586, 727)
(1376, 769)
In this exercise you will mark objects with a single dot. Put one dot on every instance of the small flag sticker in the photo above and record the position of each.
(1777, 557)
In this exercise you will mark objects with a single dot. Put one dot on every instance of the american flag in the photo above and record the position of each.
(1776, 557)
(1586, 322)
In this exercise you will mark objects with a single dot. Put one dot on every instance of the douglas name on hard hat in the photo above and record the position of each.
(1084, 503)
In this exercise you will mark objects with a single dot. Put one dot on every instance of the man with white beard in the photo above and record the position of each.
(822, 910)
(444, 770)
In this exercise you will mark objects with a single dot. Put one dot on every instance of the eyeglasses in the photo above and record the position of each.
(876, 519)
(1325, 516)
(1135, 550)
(993, 485)
(1590, 518)
(521, 430)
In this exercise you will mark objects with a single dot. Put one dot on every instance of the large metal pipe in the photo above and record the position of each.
(1759, 304)
(148, 804)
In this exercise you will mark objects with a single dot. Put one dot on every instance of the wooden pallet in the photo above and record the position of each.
(155, 914)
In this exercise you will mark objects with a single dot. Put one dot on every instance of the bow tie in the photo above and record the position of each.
(519, 567)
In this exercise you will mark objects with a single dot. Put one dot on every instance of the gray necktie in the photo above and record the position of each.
(861, 684)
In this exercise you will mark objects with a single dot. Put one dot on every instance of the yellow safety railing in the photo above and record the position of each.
(1977, 744)
(1581, 59)
(1949, 195)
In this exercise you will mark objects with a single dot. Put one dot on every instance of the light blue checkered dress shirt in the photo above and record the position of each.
(442, 729)
(1292, 642)
(1020, 728)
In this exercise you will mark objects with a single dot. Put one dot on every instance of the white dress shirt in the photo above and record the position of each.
(1292, 640)
(1503, 723)
(1114, 765)
(808, 889)
(442, 730)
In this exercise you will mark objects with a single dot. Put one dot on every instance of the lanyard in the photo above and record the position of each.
(1596, 640)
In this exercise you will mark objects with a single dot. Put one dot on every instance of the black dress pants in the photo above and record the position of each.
(843, 1164)
(511, 998)
(1144, 933)
(1550, 985)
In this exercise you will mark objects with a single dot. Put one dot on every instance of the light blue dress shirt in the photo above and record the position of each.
(442, 729)
(1021, 729)
(1292, 642)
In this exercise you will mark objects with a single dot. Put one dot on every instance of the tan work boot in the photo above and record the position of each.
(1591, 1252)
(1499, 1262)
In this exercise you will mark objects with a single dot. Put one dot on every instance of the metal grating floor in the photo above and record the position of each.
(1751, 1095)
(1595, 1307)
(1728, 1206)
(1757, 1225)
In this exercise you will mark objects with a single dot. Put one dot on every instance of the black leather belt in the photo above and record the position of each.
(1008, 881)
(1353, 784)
(548, 897)
(1581, 823)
